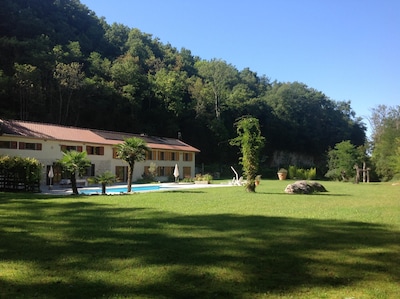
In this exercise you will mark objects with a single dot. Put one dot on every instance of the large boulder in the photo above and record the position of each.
(304, 187)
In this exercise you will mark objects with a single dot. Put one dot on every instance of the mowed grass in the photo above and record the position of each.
(204, 243)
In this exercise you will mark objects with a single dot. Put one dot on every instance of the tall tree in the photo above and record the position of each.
(250, 141)
(28, 82)
(386, 130)
(220, 77)
(70, 78)
(132, 150)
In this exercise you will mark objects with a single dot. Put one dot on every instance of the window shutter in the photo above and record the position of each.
(13, 144)
(22, 145)
(39, 146)
(63, 148)
(101, 151)
(79, 148)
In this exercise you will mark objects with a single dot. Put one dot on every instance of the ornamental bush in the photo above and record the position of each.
(20, 174)
(301, 173)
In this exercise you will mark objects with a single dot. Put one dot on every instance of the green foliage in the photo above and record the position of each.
(20, 174)
(204, 243)
(302, 174)
(75, 69)
(75, 163)
(105, 178)
(149, 177)
(250, 142)
(132, 150)
(385, 154)
(203, 177)
(342, 159)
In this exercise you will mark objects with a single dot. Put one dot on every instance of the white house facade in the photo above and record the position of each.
(47, 142)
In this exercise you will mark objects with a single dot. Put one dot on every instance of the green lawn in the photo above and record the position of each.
(204, 243)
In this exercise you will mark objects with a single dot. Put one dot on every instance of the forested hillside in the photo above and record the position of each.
(60, 63)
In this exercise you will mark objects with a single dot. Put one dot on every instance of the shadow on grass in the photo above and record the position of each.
(89, 250)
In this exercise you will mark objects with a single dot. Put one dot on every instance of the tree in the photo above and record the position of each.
(106, 178)
(342, 159)
(220, 77)
(70, 78)
(27, 79)
(170, 87)
(132, 150)
(386, 130)
(75, 163)
(250, 141)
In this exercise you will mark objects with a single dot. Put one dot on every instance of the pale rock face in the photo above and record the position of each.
(304, 187)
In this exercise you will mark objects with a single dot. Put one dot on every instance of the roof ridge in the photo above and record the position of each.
(44, 123)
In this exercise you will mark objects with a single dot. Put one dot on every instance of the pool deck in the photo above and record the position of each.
(63, 190)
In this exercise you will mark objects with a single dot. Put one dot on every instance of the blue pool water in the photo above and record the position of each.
(118, 190)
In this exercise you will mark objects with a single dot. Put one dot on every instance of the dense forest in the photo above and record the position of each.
(62, 64)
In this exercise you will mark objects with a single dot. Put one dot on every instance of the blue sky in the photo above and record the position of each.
(347, 49)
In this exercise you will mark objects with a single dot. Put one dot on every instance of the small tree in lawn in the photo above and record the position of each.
(250, 141)
(341, 160)
(106, 178)
(132, 150)
(75, 163)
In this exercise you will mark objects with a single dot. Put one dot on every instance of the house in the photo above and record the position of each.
(47, 142)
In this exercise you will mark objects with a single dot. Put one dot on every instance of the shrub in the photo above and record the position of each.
(301, 173)
(206, 177)
(20, 174)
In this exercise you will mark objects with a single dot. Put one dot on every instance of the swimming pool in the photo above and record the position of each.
(121, 189)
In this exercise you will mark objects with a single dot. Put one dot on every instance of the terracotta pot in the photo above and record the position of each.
(282, 175)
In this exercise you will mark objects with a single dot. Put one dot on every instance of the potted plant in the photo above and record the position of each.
(282, 174)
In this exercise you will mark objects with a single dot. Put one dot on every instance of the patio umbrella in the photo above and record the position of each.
(51, 175)
(176, 172)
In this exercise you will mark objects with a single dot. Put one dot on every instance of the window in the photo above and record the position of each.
(187, 172)
(67, 148)
(95, 150)
(165, 170)
(8, 144)
(30, 146)
(115, 156)
(168, 156)
(121, 172)
(161, 171)
(187, 157)
(161, 156)
(89, 171)
(151, 155)
(175, 156)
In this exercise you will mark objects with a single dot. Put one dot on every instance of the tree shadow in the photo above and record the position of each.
(202, 256)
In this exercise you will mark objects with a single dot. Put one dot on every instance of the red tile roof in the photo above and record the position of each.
(64, 133)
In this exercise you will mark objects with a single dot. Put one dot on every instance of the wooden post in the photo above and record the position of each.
(357, 173)
(364, 172)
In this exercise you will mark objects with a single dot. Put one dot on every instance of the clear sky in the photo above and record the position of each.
(347, 49)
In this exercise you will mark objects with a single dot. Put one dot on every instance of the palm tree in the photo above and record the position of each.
(132, 150)
(75, 163)
(106, 178)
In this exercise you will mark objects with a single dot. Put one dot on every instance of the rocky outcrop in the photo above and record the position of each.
(304, 187)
